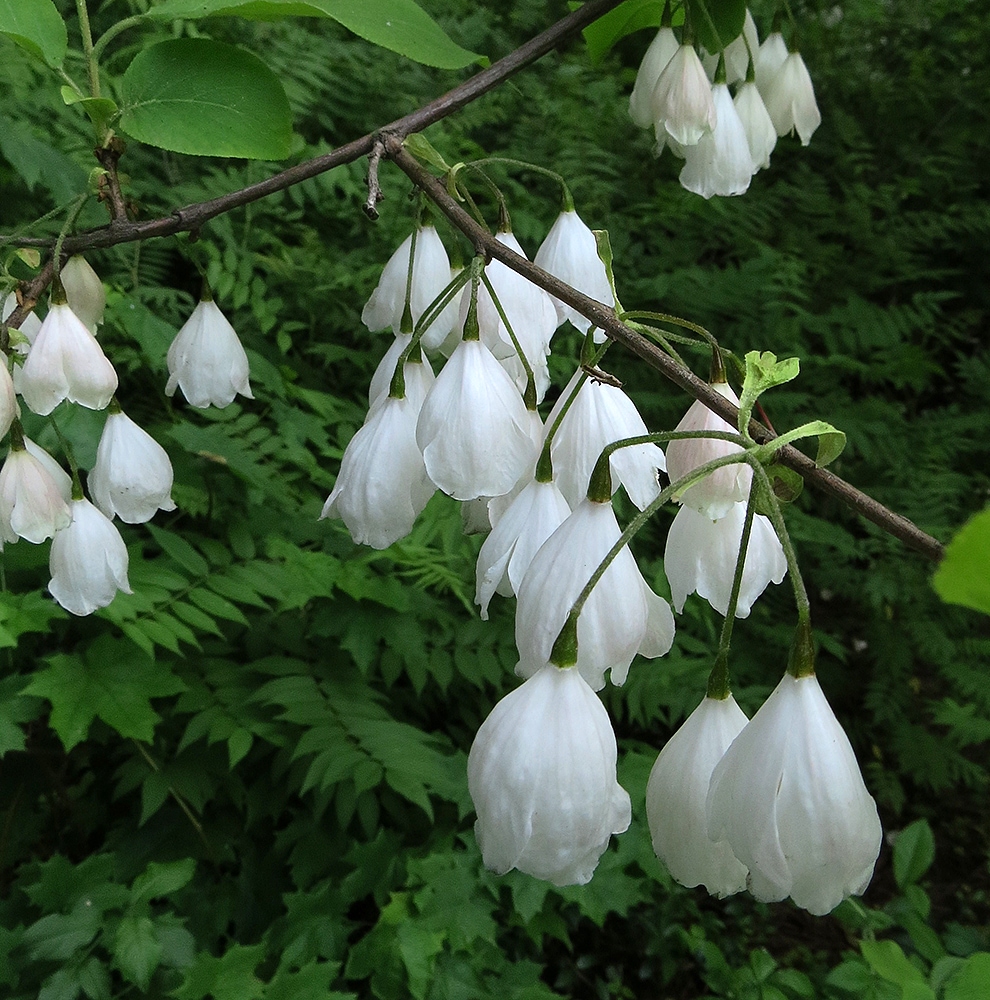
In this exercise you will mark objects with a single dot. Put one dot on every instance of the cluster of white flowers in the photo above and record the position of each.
(59, 359)
(542, 769)
(723, 139)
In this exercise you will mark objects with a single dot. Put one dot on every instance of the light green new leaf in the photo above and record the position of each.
(194, 95)
(398, 25)
(763, 371)
(35, 25)
(831, 441)
(962, 577)
(889, 962)
(99, 109)
(116, 682)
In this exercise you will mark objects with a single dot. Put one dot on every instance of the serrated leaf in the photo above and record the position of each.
(162, 878)
(197, 96)
(59, 935)
(37, 26)
(398, 25)
(137, 951)
(914, 852)
(229, 977)
(115, 683)
(962, 577)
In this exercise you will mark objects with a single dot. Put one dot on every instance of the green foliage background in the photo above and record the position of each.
(247, 779)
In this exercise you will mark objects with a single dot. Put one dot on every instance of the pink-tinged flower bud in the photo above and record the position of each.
(789, 798)
(88, 561)
(31, 501)
(66, 362)
(541, 773)
(84, 291)
(206, 360)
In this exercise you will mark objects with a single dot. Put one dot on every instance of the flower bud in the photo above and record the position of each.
(31, 501)
(84, 291)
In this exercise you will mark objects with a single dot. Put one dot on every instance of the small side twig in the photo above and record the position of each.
(110, 192)
(375, 193)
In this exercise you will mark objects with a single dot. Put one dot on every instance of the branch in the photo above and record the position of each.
(604, 317)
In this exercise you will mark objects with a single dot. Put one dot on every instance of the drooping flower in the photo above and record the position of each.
(676, 796)
(720, 162)
(431, 274)
(84, 291)
(418, 375)
(641, 107)
(206, 360)
(790, 100)
(756, 123)
(789, 798)
(535, 514)
(132, 477)
(8, 397)
(383, 485)
(570, 253)
(541, 773)
(736, 52)
(66, 362)
(768, 60)
(683, 99)
(700, 557)
(599, 415)
(718, 491)
(473, 427)
(32, 505)
(622, 616)
(88, 561)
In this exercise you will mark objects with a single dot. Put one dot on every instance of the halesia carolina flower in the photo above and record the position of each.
(641, 107)
(720, 163)
(683, 99)
(789, 798)
(431, 274)
(383, 485)
(790, 100)
(418, 375)
(622, 616)
(599, 415)
(676, 795)
(8, 397)
(541, 773)
(88, 561)
(473, 428)
(206, 360)
(700, 557)
(756, 123)
(530, 520)
(570, 253)
(718, 491)
(736, 52)
(66, 362)
(768, 61)
(132, 477)
(31, 501)
(84, 291)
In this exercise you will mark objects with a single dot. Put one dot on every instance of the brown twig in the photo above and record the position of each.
(604, 317)
(375, 194)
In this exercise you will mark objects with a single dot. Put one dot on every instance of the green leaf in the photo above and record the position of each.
(194, 95)
(962, 577)
(889, 962)
(229, 977)
(972, 981)
(726, 24)
(38, 162)
(161, 879)
(831, 441)
(137, 951)
(14, 709)
(628, 17)
(59, 935)
(398, 25)
(421, 147)
(35, 25)
(180, 550)
(787, 484)
(914, 851)
(115, 683)
(763, 371)
(99, 109)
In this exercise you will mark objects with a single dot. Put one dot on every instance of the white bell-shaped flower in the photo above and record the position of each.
(682, 99)
(32, 504)
(622, 616)
(718, 491)
(641, 107)
(418, 375)
(473, 428)
(431, 274)
(756, 123)
(570, 253)
(790, 100)
(84, 291)
(700, 557)
(720, 162)
(535, 514)
(768, 60)
(737, 53)
(541, 773)
(61, 478)
(497, 506)
(29, 327)
(599, 415)
(8, 397)
(383, 485)
(132, 477)
(206, 360)
(66, 362)
(676, 796)
(789, 798)
(88, 561)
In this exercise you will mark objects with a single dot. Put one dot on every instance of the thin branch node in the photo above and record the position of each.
(375, 194)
